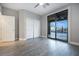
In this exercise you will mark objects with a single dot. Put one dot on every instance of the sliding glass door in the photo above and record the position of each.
(58, 26)
(61, 30)
(52, 29)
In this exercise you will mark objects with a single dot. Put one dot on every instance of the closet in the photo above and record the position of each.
(32, 28)
(29, 25)
(7, 28)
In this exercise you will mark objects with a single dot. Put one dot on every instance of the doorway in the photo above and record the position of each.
(58, 26)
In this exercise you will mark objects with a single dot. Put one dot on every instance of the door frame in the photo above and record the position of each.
(56, 33)
(55, 29)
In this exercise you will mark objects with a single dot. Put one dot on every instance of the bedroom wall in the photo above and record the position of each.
(26, 21)
(0, 10)
(44, 20)
(74, 22)
(19, 15)
(73, 19)
(11, 12)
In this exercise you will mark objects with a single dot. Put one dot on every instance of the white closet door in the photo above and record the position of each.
(36, 28)
(0, 29)
(32, 28)
(29, 28)
(8, 28)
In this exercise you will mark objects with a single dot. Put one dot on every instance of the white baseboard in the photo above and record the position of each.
(74, 43)
(44, 36)
(21, 39)
(6, 40)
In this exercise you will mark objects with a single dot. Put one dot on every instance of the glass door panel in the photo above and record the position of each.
(58, 26)
(61, 30)
(52, 29)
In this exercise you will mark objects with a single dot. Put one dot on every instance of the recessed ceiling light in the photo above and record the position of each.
(41, 3)
(44, 5)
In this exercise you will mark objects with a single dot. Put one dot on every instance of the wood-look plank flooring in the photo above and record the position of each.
(39, 47)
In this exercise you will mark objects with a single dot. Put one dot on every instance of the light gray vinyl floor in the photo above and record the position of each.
(39, 47)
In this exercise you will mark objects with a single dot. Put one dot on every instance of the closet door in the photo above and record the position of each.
(36, 28)
(32, 28)
(8, 28)
(29, 28)
(0, 29)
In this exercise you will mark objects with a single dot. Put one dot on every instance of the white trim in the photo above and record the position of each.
(6, 40)
(74, 43)
(44, 36)
(21, 39)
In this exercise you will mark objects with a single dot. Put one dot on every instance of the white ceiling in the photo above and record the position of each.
(30, 7)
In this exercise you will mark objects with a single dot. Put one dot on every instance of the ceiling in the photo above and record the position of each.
(30, 7)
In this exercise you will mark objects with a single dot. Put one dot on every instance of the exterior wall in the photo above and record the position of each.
(73, 19)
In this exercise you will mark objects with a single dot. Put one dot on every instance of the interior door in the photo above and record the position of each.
(7, 28)
(29, 28)
(36, 28)
(32, 28)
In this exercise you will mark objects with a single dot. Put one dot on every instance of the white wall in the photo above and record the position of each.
(26, 22)
(11, 12)
(73, 22)
(44, 20)
(7, 28)
(0, 10)
(44, 26)
(22, 15)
